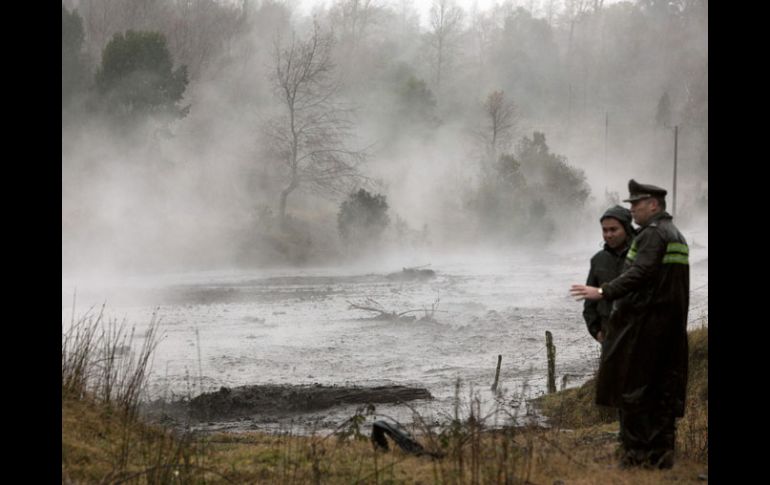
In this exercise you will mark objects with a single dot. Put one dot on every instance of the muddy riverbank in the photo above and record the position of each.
(298, 328)
(276, 403)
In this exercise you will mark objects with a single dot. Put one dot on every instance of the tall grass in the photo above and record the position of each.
(104, 375)
(98, 361)
(471, 445)
(692, 433)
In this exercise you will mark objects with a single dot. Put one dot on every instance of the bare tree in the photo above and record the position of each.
(309, 137)
(199, 31)
(483, 30)
(356, 24)
(446, 25)
(498, 130)
(574, 12)
(355, 17)
(409, 19)
(550, 11)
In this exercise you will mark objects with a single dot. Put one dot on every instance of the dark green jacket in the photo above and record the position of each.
(606, 265)
(644, 363)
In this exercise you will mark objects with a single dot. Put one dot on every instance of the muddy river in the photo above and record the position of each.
(235, 328)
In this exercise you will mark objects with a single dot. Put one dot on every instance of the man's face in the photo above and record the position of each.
(613, 232)
(642, 210)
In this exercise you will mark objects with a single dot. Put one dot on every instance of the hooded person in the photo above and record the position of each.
(607, 265)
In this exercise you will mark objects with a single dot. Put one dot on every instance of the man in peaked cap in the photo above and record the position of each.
(643, 369)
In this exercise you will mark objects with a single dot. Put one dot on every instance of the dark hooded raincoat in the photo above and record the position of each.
(606, 265)
(644, 363)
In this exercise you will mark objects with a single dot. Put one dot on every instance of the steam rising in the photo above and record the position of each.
(202, 192)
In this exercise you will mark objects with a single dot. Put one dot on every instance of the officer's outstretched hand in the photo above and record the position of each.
(583, 292)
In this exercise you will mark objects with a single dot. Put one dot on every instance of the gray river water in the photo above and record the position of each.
(232, 328)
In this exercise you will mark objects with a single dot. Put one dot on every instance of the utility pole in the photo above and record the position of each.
(606, 130)
(676, 146)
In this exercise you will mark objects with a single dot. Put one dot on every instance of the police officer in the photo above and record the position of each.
(606, 265)
(643, 370)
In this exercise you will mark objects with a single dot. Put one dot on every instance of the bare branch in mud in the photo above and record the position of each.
(373, 306)
(353, 306)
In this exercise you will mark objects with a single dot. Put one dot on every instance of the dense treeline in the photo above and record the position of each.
(239, 128)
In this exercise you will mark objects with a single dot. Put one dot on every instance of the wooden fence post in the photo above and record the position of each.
(551, 362)
(497, 372)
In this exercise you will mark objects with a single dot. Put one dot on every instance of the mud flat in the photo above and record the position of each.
(277, 401)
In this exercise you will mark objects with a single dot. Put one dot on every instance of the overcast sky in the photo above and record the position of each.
(423, 6)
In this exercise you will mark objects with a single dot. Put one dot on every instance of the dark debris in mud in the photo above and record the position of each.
(276, 401)
(412, 274)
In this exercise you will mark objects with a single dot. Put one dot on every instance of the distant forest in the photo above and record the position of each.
(202, 132)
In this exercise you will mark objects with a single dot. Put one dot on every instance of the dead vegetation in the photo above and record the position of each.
(371, 305)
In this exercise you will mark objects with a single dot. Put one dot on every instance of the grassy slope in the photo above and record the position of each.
(574, 408)
(101, 445)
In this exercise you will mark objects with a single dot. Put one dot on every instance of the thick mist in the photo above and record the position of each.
(153, 194)
(257, 173)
